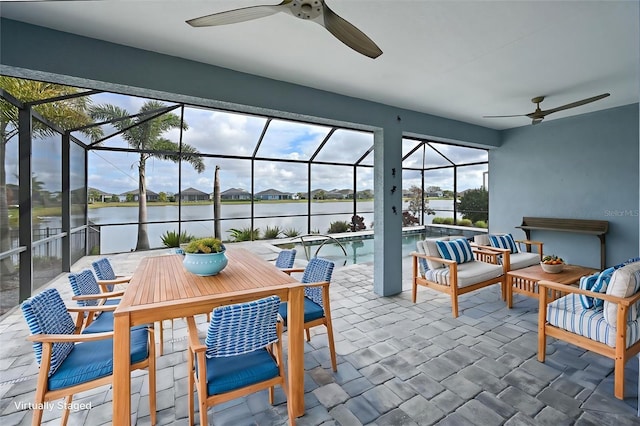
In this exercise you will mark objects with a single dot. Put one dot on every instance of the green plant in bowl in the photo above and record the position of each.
(205, 246)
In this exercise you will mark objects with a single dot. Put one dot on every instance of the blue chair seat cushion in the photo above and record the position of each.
(225, 374)
(104, 323)
(312, 311)
(93, 360)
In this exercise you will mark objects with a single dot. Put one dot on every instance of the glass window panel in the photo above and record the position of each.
(47, 262)
(460, 154)
(409, 145)
(291, 140)
(277, 180)
(46, 182)
(235, 188)
(222, 133)
(345, 146)
(439, 180)
(77, 185)
(473, 178)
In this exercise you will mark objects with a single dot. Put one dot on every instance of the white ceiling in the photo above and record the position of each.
(455, 59)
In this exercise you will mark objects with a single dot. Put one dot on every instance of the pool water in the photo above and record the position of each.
(358, 250)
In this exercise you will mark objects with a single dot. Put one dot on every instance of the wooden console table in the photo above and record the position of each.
(581, 226)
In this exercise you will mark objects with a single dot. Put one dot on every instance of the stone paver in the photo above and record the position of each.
(399, 363)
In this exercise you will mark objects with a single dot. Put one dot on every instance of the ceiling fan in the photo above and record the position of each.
(313, 10)
(539, 114)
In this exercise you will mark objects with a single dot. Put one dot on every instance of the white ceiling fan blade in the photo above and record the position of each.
(575, 104)
(238, 15)
(349, 34)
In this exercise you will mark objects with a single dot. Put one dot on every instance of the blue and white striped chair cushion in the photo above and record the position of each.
(46, 313)
(317, 270)
(242, 328)
(569, 314)
(468, 274)
(285, 259)
(504, 242)
(458, 250)
(104, 271)
(84, 284)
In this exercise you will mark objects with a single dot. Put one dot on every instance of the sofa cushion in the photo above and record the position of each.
(624, 283)
(431, 249)
(522, 260)
(504, 242)
(468, 273)
(481, 239)
(458, 250)
(569, 314)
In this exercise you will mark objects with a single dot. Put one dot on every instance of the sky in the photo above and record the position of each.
(224, 133)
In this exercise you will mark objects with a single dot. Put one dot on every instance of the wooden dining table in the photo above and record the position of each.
(162, 289)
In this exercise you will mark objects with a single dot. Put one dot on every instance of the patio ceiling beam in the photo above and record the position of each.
(264, 132)
(322, 144)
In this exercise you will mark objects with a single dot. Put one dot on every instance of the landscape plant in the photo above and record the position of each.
(290, 232)
(338, 227)
(271, 233)
(205, 245)
(173, 239)
(480, 224)
(408, 219)
(464, 222)
(144, 131)
(474, 205)
(244, 234)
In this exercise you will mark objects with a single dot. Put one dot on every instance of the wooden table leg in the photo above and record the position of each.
(121, 371)
(295, 330)
(509, 290)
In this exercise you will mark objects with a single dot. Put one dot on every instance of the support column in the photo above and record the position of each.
(66, 202)
(387, 142)
(25, 202)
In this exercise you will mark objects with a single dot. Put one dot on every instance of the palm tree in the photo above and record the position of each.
(67, 114)
(144, 133)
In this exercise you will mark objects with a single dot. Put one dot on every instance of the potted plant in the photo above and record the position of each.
(205, 256)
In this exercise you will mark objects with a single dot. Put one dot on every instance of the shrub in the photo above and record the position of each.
(172, 239)
(272, 233)
(464, 222)
(480, 224)
(244, 234)
(408, 219)
(357, 223)
(438, 220)
(447, 221)
(291, 232)
(339, 226)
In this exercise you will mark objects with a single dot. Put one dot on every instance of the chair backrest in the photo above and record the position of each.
(46, 313)
(286, 258)
(317, 270)
(84, 284)
(243, 327)
(104, 271)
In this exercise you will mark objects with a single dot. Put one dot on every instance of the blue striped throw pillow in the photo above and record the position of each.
(601, 284)
(458, 250)
(504, 242)
(586, 283)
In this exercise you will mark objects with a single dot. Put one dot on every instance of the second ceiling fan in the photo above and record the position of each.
(313, 10)
(539, 114)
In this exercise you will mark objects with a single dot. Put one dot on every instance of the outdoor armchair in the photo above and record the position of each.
(455, 268)
(107, 278)
(510, 250)
(285, 259)
(317, 308)
(242, 354)
(604, 319)
(71, 363)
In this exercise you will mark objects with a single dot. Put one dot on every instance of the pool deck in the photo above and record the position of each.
(399, 363)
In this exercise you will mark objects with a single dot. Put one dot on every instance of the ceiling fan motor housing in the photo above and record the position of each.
(306, 9)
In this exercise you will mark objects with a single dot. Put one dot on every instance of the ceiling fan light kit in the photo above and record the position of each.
(539, 114)
(311, 10)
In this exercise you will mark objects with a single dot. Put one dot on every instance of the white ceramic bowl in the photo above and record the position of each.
(552, 269)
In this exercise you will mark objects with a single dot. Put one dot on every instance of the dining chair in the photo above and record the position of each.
(70, 362)
(87, 293)
(285, 259)
(317, 310)
(107, 278)
(242, 354)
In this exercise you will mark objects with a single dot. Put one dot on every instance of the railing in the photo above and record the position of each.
(316, 237)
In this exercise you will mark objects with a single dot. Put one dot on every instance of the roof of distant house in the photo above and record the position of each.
(231, 191)
(192, 191)
(135, 192)
(272, 191)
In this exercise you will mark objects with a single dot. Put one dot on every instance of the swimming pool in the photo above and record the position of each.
(359, 249)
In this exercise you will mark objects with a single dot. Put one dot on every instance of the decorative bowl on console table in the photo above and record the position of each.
(552, 264)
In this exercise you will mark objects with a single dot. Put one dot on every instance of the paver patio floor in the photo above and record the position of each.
(399, 363)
